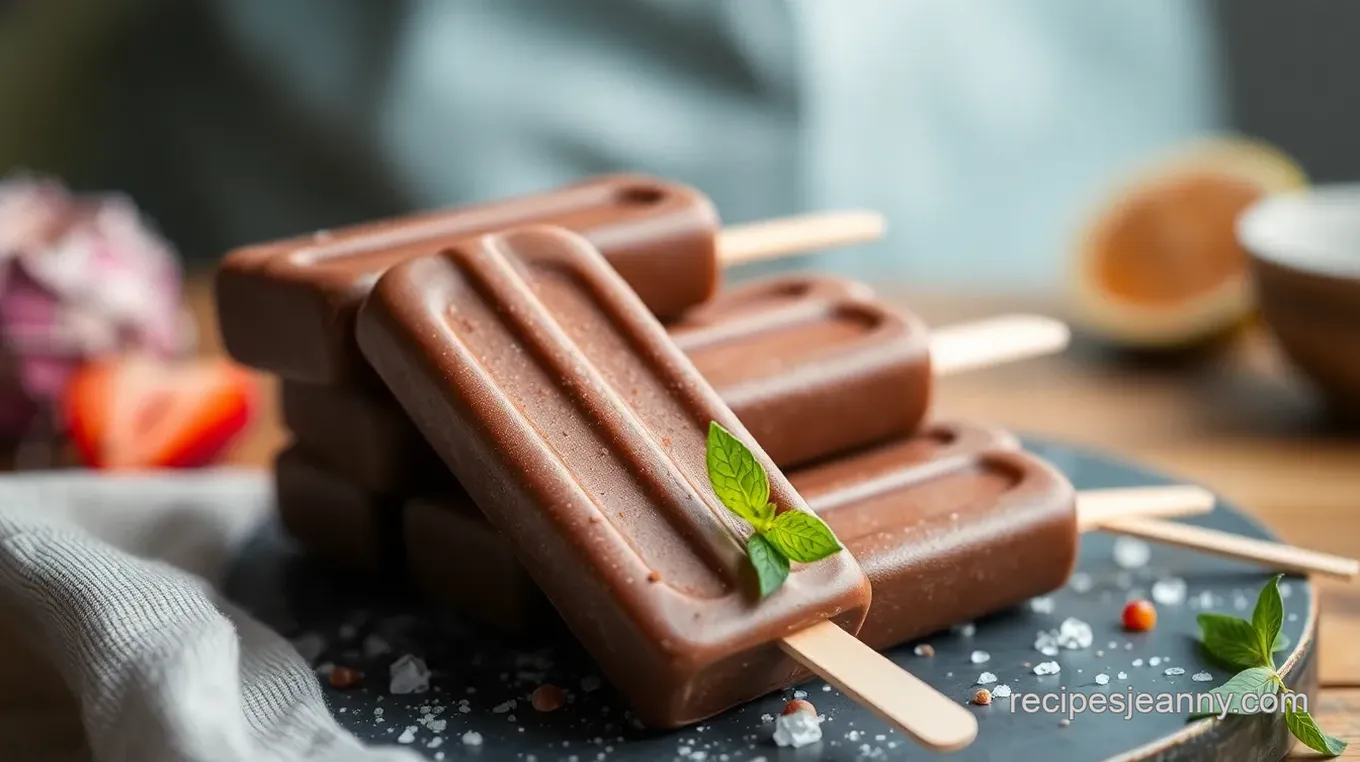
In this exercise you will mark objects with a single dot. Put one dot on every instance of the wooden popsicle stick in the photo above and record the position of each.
(1274, 555)
(773, 239)
(1006, 338)
(1096, 508)
(898, 697)
(910, 704)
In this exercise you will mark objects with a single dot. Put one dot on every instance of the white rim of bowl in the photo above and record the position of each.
(1290, 229)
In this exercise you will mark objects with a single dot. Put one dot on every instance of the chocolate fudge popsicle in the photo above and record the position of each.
(811, 364)
(580, 431)
(336, 520)
(288, 307)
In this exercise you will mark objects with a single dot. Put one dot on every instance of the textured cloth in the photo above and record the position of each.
(114, 643)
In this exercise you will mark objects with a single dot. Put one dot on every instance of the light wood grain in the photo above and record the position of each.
(782, 237)
(898, 697)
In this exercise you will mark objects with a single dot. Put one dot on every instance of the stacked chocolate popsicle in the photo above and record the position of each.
(526, 378)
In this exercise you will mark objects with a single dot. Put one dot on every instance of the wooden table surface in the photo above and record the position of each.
(1237, 421)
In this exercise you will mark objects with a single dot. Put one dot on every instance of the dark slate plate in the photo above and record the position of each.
(299, 597)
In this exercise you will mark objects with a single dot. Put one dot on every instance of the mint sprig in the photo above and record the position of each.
(742, 485)
(1250, 647)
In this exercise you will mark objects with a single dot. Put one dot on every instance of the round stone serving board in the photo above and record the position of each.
(299, 597)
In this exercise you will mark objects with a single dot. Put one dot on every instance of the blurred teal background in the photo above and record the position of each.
(983, 130)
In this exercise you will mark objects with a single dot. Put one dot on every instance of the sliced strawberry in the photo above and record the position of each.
(136, 413)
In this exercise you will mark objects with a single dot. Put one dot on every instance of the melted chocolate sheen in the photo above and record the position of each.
(579, 429)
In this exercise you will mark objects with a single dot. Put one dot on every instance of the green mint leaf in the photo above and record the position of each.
(1268, 616)
(1303, 727)
(802, 537)
(737, 478)
(1257, 680)
(1233, 641)
(772, 568)
(1281, 642)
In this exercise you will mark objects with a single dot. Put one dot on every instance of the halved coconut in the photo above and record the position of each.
(1159, 265)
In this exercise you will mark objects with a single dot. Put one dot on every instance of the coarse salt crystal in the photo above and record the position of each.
(472, 738)
(1154, 661)
(1169, 591)
(797, 729)
(409, 675)
(979, 657)
(590, 683)
(408, 735)
(1123, 676)
(1075, 634)
(800, 694)
(1047, 668)
(1173, 671)
(986, 678)
(1042, 605)
(767, 717)
(504, 706)
(1285, 590)
(1137, 662)
(1131, 553)
(1080, 582)
(1201, 677)
(1001, 691)
(1102, 679)
(966, 630)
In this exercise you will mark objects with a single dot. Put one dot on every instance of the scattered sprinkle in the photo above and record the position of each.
(797, 729)
(1047, 668)
(1102, 679)
(986, 678)
(983, 697)
(979, 657)
(344, 677)
(472, 738)
(547, 698)
(924, 649)
(1201, 677)
(1173, 671)
(1001, 691)
(1170, 591)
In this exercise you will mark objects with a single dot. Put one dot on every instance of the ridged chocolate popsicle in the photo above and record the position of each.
(288, 306)
(580, 431)
(812, 365)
